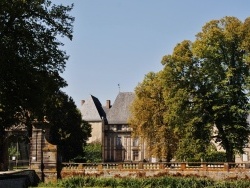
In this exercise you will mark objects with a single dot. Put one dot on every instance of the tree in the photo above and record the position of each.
(224, 45)
(184, 97)
(147, 121)
(201, 94)
(209, 84)
(31, 58)
(68, 130)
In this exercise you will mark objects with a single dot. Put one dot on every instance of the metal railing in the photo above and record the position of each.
(18, 164)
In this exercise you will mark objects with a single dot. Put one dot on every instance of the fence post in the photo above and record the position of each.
(140, 165)
(161, 166)
(204, 166)
(80, 166)
(120, 166)
(226, 166)
(99, 167)
(183, 166)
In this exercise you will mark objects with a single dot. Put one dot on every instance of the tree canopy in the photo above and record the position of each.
(147, 121)
(31, 64)
(31, 58)
(204, 89)
(223, 51)
(68, 130)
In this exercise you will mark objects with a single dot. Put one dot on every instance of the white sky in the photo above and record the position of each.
(119, 41)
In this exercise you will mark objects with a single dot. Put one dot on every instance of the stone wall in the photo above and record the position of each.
(20, 179)
(215, 171)
(96, 133)
(43, 155)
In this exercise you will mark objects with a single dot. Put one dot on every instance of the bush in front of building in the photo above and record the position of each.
(215, 156)
(93, 152)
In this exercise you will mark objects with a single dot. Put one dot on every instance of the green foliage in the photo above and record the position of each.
(201, 95)
(12, 150)
(68, 130)
(148, 110)
(30, 66)
(215, 156)
(168, 181)
(185, 114)
(93, 152)
(13, 141)
(31, 58)
(222, 49)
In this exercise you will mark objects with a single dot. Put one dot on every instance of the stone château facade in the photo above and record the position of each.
(110, 127)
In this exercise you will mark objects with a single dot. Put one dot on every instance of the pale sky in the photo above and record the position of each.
(120, 41)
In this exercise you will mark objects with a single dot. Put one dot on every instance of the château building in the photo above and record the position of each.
(110, 126)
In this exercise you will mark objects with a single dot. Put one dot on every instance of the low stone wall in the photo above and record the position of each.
(18, 179)
(217, 171)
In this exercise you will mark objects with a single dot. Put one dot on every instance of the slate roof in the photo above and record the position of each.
(119, 113)
(92, 110)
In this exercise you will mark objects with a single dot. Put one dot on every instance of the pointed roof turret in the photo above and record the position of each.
(92, 110)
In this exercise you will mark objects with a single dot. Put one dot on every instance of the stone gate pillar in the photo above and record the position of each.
(43, 155)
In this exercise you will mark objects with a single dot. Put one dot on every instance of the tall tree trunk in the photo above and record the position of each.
(1, 148)
(228, 148)
(225, 143)
(230, 154)
(3, 152)
(169, 156)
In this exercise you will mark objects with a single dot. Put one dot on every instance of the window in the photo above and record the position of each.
(118, 141)
(245, 157)
(135, 142)
(135, 155)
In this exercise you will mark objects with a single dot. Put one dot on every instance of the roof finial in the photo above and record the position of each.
(119, 87)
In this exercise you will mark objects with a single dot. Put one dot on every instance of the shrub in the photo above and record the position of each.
(215, 156)
(93, 152)
(159, 182)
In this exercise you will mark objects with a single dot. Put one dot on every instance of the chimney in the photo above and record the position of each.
(108, 104)
(82, 102)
